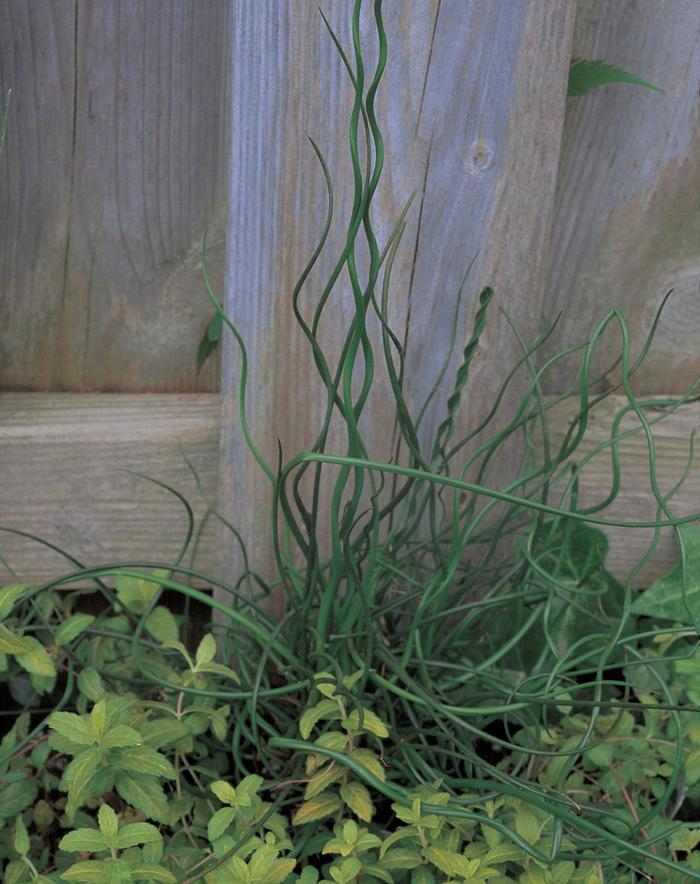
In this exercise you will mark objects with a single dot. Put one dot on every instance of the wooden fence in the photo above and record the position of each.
(133, 124)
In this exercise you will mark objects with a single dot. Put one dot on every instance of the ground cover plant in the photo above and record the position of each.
(437, 705)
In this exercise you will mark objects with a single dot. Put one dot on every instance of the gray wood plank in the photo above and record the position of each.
(626, 223)
(472, 111)
(61, 458)
(635, 500)
(37, 61)
(116, 159)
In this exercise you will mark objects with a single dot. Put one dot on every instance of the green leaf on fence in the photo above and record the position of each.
(209, 340)
(586, 74)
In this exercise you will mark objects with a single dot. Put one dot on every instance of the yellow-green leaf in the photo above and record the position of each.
(143, 759)
(35, 659)
(152, 873)
(326, 709)
(83, 841)
(109, 824)
(316, 809)
(224, 791)
(11, 643)
(323, 779)
(121, 736)
(71, 628)
(73, 727)
(370, 761)
(137, 833)
(9, 596)
(358, 799)
(450, 862)
(220, 821)
(206, 650)
(145, 794)
(370, 722)
(21, 837)
(162, 625)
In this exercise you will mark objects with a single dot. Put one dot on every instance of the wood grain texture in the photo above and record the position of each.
(115, 161)
(626, 223)
(61, 458)
(471, 110)
(635, 500)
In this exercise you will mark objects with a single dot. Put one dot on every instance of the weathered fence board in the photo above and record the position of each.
(635, 500)
(115, 160)
(626, 223)
(117, 156)
(63, 456)
(471, 110)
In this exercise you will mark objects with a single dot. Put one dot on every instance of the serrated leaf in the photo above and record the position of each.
(358, 799)
(265, 867)
(11, 643)
(379, 872)
(71, 628)
(601, 755)
(326, 709)
(137, 833)
(527, 825)
(9, 596)
(247, 788)
(77, 778)
(450, 862)
(145, 794)
(320, 781)
(146, 761)
(586, 74)
(20, 840)
(35, 659)
(316, 809)
(325, 683)
(402, 858)
(159, 732)
(73, 727)
(98, 718)
(83, 841)
(224, 792)
(370, 761)
(684, 839)
(121, 736)
(152, 873)
(90, 684)
(90, 871)
(220, 821)
(396, 836)
(178, 646)
(665, 598)
(370, 722)
(137, 593)
(16, 797)
(332, 740)
(162, 625)
(206, 650)
(109, 824)
(220, 669)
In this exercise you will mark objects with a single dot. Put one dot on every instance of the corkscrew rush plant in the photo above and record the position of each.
(480, 621)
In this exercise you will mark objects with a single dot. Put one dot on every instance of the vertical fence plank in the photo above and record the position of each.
(37, 62)
(115, 162)
(626, 221)
(472, 110)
